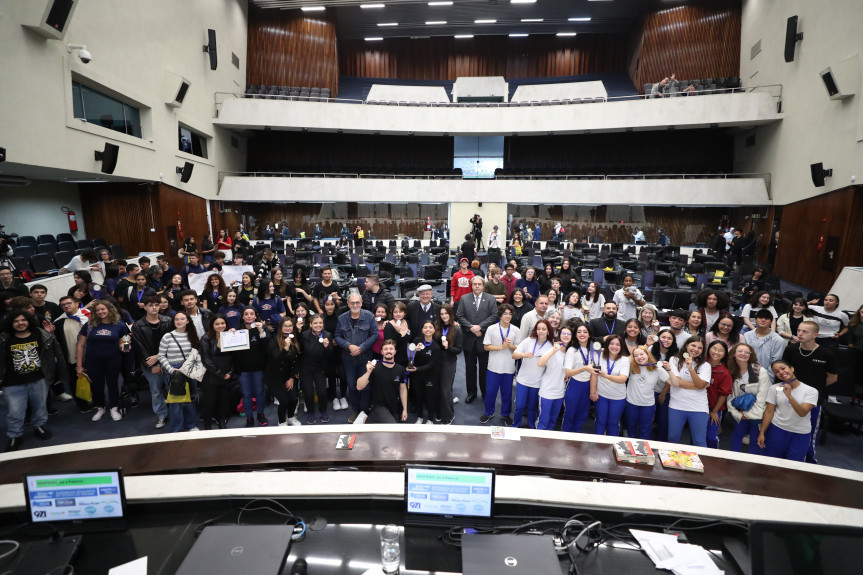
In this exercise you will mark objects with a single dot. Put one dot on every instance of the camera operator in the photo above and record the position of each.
(476, 231)
(6, 250)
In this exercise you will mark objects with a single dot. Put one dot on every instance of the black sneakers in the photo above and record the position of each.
(262, 419)
(14, 444)
(250, 422)
(41, 432)
(485, 419)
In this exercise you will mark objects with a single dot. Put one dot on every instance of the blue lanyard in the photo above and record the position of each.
(140, 295)
(501, 332)
(583, 356)
(609, 368)
(540, 347)
(610, 331)
(444, 331)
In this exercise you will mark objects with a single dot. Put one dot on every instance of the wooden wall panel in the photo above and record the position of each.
(447, 58)
(385, 220)
(693, 41)
(124, 214)
(285, 49)
(803, 223)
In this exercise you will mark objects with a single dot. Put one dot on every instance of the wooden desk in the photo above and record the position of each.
(388, 448)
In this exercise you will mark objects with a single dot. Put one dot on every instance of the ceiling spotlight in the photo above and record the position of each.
(382, 24)
(463, 36)
(566, 33)
(485, 21)
(374, 39)
(587, 19)
(435, 22)
(367, 6)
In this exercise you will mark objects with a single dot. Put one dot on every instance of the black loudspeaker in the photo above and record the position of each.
(791, 38)
(185, 171)
(58, 14)
(108, 157)
(2, 154)
(819, 173)
(210, 48)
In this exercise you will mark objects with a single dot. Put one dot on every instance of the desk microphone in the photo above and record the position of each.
(300, 567)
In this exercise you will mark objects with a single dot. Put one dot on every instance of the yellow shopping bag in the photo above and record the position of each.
(82, 388)
(172, 398)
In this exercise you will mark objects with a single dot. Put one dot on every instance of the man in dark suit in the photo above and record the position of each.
(602, 327)
(424, 309)
(476, 312)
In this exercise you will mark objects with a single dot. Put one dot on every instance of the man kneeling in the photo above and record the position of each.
(389, 390)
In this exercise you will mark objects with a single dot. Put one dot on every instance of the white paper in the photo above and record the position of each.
(234, 340)
(198, 282)
(136, 567)
(505, 433)
(667, 552)
(234, 273)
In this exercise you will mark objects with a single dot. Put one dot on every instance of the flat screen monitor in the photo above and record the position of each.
(794, 548)
(77, 501)
(449, 495)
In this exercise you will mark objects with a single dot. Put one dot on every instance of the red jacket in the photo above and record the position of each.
(460, 284)
(720, 384)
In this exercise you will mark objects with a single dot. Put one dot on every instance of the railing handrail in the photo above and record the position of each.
(357, 175)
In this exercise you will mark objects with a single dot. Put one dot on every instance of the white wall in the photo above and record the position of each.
(35, 209)
(695, 112)
(459, 220)
(815, 128)
(690, 192)
(139, 50)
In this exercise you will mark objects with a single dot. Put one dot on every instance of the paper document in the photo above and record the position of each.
(667, 552)
(234, 340)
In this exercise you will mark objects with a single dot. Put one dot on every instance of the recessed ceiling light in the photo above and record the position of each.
(531, 19)
(366, 6)
(435, 22)
(313, 8)
(388, 24)
(583, 19)
(518, 35)
(463, 36)
(374, 39)
(485, 21)
(566, 33)
(522, 1)
(440, 3)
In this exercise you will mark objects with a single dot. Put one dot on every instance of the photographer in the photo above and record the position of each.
(6, 250)
(476, 231)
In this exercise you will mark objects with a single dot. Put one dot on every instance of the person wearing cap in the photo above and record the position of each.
(426, 309)
(460, 283)
(494, 243)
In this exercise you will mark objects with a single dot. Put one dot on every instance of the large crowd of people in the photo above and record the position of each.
(564, 351)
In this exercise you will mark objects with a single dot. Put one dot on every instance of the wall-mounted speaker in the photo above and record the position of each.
(819, 173)
(54, 19)
(791, 38)
(185, 171)
(179, 93)
(2, 154)
(210, 48)
(842, 80)
(108, 157)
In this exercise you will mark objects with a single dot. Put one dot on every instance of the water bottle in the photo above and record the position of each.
(390, 552)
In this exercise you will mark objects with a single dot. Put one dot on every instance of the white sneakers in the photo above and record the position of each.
(64, 397)
(429, 422)
(419, 421)
(115, 414)
(344, 403)
(455, 400)
(337, 406)
(361, 418)
(100, 411)
(293, 421)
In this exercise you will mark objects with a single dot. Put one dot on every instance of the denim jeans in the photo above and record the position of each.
(17, 397)
(697, 420)
(252, 384)
(158, 384)
(359, 400)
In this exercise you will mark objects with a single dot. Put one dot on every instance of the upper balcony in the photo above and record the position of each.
(720, 108)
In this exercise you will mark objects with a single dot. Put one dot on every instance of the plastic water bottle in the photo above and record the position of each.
(390, 552)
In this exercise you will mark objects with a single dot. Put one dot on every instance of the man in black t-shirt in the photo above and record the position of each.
(45, 310)
(389, 390)
(817, 367)
(327, 288)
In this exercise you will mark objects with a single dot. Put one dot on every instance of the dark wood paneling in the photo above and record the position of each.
(692, 41)
(286, 49)
(124, 214)
(297, 151)
(447, 58)
(836, 213)
(385, 221)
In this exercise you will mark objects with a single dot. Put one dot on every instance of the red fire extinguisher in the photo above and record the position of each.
(179, 227)
(70, 215)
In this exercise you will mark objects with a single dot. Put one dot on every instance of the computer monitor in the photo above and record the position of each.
(803, 548)
(77, 501)
(448, 495)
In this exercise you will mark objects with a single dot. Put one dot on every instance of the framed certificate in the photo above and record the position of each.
(234, 340)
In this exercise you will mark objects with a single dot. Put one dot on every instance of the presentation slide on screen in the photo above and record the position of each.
(73, 497)
(449, 492)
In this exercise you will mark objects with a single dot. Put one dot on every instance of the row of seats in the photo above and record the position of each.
(290, 92)
(488, 104)
(49, 262)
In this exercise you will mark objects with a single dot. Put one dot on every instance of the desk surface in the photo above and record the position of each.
(388, 448)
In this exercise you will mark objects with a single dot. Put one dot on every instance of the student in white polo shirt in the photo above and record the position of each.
(786, 425)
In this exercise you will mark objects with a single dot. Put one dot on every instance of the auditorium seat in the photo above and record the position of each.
(20, 263)
(62, 258)
(82, 244)
(49, 249)
(43, 264)
(65, 237)
(46, 239)
(118, 252)
(24, 251)
(99, 243)
(27, 241)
